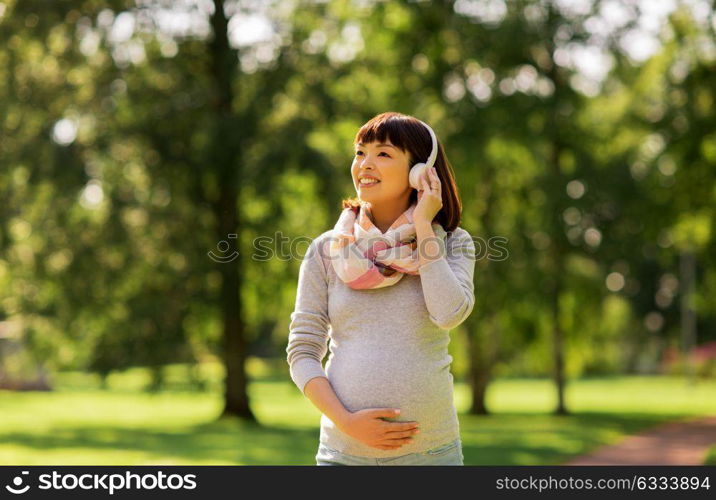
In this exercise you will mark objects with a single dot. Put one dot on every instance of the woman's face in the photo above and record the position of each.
(386, 163)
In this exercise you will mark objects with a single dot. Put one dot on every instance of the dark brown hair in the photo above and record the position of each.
(411, 136)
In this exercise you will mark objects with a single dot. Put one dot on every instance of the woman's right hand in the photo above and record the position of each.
(368, 426)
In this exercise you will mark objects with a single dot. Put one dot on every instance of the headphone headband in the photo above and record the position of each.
(417, 170)
(434, 151)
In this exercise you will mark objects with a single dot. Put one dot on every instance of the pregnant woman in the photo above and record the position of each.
(385, 286)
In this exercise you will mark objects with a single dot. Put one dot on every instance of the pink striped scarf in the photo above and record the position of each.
(364, 257)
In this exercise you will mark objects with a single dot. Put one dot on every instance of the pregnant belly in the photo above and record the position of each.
(421, 386)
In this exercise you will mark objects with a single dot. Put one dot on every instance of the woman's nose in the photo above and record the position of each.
(367, 162)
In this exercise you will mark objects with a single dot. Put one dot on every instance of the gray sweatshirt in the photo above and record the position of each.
(388, 346)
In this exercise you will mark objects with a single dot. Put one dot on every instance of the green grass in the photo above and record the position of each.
(79, 423)
(711, 456)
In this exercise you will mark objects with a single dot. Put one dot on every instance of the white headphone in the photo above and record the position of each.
(418, 169)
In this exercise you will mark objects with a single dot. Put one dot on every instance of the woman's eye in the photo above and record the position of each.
(381, 153)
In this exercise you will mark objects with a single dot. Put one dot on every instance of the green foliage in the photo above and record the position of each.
(111, 177)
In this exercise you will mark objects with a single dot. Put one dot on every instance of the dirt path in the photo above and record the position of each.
(684, 442)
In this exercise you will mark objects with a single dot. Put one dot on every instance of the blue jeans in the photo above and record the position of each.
(445, 454)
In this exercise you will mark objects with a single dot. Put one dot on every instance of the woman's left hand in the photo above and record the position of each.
(430, 198)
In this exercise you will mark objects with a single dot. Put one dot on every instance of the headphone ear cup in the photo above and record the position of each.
(414, 177)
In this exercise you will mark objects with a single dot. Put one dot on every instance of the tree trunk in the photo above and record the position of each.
(556, 290)
(224, 158)
(557, 342)
(235, 352)
(687, 272)
(483, 354)
(558, 249)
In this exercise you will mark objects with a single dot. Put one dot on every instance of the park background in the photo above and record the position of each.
(137, 137)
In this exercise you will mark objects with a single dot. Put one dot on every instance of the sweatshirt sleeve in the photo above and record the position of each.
(447, 282)
(308, 330)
